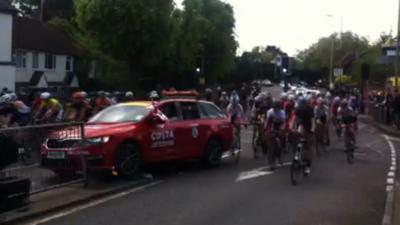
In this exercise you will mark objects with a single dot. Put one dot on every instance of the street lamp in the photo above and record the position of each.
(396, 63)
(331, 86)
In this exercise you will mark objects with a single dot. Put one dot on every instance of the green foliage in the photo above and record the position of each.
(136, 32)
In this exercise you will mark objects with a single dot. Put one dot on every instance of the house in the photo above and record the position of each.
(44, 55)
(7, 67)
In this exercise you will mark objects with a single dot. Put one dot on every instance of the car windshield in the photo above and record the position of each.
(121, 113)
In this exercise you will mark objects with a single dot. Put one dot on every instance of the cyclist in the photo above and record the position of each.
(289, 105)
(80, 108)
(129, 96)
(22, 112)
(275, 124)
(154, 95)
(236, 114)
(334, 112)
(50, 110)
(303, 123)
(7, 112)
(321, 118)
(102, 102)
(224, 100)
(349, 118)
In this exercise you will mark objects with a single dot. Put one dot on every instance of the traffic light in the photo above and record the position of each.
(285, 64)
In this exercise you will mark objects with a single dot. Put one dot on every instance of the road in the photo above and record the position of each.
(247, 193)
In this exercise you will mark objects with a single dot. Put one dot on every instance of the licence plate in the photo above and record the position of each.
(56, 155)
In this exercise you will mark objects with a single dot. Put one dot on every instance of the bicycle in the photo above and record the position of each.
(320, 137)
(274, 147)
(236, 146)
(349, 145)
(297, 169)
(257, 138)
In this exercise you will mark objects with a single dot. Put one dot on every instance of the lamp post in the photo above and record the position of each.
(396, 63)
(331, 86)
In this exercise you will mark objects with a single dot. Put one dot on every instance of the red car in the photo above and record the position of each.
(123, 137)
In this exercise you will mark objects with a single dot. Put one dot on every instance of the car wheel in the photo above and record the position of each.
(213, 153)
(128, 160)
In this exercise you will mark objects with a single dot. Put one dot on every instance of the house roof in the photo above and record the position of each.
(35, 35)
(5, 6)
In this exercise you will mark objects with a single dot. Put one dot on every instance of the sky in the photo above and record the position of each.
(296, 24)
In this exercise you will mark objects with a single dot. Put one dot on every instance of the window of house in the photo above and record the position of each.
(35, 60)
(68, 63)
(50, 62)
(20, 59)
(190, 111)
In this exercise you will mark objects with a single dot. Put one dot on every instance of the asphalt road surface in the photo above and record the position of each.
(247, 193)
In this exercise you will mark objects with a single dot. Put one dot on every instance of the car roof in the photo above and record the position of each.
(182, 100)
(139, 103)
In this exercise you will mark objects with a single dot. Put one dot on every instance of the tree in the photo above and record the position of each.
(316, 58)
(136, 31)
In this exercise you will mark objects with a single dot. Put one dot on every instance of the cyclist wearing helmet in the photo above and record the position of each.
(276, 118)
(224, 100)
(22, 112)
(102, 101)
(289, 105)
(321, 117)
(129, 97)
(50, 110)
(79, 109)
(235, 110)
(348, 116)
(154, 95)
(7, 111)
(304, 125)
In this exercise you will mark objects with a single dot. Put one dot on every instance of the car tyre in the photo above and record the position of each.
(128, 160)
(213, 154)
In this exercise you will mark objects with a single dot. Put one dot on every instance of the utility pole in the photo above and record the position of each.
(331, 63)
(396, 63)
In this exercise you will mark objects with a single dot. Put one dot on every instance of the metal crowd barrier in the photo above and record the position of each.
(45, 169)
(380, 112)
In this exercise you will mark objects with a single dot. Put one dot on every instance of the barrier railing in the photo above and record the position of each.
(47, 155)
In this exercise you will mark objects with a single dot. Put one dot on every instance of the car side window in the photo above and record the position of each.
(210, 111)
(190, 111)
(170, 111)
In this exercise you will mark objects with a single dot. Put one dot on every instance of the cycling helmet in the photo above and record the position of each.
(129, 94)
(336, 99)
(45, 95)
(13, 97)
(84, 94)
(224, 93)
(78, 95)
(234, 99)
(101, 93)
(291, 97)
(208, 90)
(5, 99)
(154, 94)
(284, 95)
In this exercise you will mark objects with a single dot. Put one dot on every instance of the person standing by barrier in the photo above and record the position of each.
(395, 104)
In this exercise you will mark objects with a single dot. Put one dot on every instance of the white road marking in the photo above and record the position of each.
(94, 203)
(388, 214)
(258, 172)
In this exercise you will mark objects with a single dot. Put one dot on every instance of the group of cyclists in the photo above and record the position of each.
(46, 108)
(280, 123)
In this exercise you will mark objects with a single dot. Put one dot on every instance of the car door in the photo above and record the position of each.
(163, 141)
(193, 130)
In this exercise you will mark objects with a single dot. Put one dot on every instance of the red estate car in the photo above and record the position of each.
(123, 137)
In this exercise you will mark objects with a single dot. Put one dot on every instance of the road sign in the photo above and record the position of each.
(338, 72)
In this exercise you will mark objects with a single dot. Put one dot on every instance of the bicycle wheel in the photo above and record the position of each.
(295, 172)
(272, 153)
(350, 156)
(254, 142)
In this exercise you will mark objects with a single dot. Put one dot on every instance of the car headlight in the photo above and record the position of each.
(96, 141)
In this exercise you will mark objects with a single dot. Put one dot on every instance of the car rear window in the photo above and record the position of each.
(210, 111)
